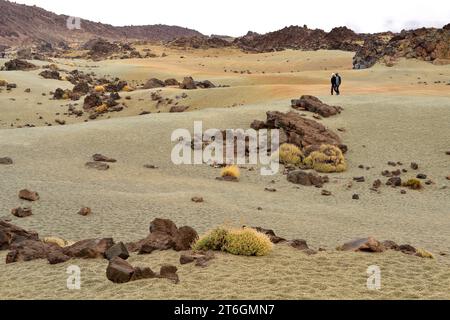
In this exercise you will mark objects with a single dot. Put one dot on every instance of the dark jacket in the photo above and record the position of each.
(333, 80)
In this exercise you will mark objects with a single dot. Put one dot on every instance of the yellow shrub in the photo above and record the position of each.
(66, 95)
(102, 108)
(127, 89)
(214, 240)
(327, 159)
(247, 242)
(99, 89)
(424, 254)
(3, 83)
(231, 171)
(290, 154)
(414, 184)
(57, 241)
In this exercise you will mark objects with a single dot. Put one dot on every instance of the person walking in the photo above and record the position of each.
(338, 83)
(333, 83)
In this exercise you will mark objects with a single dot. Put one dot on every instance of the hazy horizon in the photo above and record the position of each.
(236, 18)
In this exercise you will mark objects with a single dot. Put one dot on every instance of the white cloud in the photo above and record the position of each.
(236, 17)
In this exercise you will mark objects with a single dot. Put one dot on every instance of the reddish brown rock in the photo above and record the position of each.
(369, 244)
(89, 249)
(188, 84)
(169, 272)
(26, 194)
(301, 131)
(117, 250)
(153, 83)
(29, 250)
(178, 109)
(306, 178)
(271, 234)
(315, 105)
(85, 211)
(101, 158)
(11, 234)
(21, 212)
(165, 235)
(185, 237)
(299, 244)
(143, 273)
(119, 271)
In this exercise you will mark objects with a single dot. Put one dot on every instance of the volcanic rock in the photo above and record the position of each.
(313, 104)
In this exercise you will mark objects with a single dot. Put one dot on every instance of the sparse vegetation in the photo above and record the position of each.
(57, 241)
(327, 159)
(245, 242)
(290, 154)
(231, 171)
(424, 253)
(414, 184)
(99, 89)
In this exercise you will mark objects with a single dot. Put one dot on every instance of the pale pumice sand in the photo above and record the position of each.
(381, 126)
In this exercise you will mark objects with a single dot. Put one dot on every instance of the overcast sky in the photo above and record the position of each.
(236, 17)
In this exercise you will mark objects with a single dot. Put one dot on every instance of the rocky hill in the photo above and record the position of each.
(427, 44)
(301, 38)
(23, 25)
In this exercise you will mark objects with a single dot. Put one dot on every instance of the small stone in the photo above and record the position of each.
(392, 163)
(197, 199)
(377, 184)
(403, 191)
(355, 197)
(421, 176)
(150, 166)
(97, 165)
(6, 161)
(101, 158)
(85, 211)
(394, 181)
(326, 193)
(359, 179)
(26, 194)
(270, 190)
(21, 212)
(414, 166)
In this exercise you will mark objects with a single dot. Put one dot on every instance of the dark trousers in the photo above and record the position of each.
(335, 88)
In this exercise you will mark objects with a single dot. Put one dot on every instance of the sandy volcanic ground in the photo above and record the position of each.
(388, 117)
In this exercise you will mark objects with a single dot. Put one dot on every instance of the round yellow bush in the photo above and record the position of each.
(247, 242)
(127, 88)
(99, 89)
(243, 242)
(102, 108)
(414, 184)
(3, 83)
(213, 240)
(231, 171)
(290, 154)
(327, 159)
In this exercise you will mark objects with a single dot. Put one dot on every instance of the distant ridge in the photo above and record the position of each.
(24, 25)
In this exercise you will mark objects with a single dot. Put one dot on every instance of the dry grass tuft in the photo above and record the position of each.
(327, 159)
(290, 154)
(244, 242)
(231, 171)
